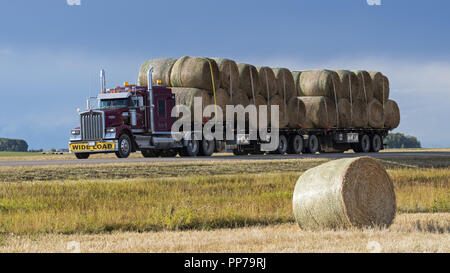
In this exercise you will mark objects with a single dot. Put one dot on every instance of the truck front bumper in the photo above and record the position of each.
(94, 146)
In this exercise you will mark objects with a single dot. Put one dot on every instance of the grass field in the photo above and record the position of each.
(178, 198)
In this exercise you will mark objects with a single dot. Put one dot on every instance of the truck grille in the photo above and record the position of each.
(91, 126)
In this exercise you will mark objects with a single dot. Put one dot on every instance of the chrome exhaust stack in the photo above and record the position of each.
(150, 99)
(103, 80)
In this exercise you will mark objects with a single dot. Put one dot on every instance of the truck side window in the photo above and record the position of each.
(162, 108)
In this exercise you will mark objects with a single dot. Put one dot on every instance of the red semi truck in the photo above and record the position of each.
(138, 118)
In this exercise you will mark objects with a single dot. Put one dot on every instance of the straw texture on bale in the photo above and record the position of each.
(380, 86)
(296, 113)
(222, 100)
(282, 119)
(248, 79)
(345, 113)
(195, 72)
(360, 116)
(376, 114)
(345, 193)
(267, 82)
(229, 74)
(161, 71)
(296, 75)
(320, 112)
(258, 101)
(365, 84)
(285, 83)
(391, 114)
(321, 83)
(349, 85)
(185, 96)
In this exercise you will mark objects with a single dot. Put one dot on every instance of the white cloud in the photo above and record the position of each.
(374, 2)
(74, 2)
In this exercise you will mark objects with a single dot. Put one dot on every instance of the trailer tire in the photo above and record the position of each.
(82, 155)
(191, 149)
(376, 143)
(295, 144)
(149, 153)
(207, 147)
(364, 144)
(312, 144)
(282, 145)
(125, 146)
(239, 151)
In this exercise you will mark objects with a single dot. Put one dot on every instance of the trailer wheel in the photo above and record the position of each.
(282, 145)
(239, 151)
(295, 144)
(191, 149)
(312, 144)
(82, 155)
(149, 153)
(364, 144)
(376, 144)
(207, 147)
(124, 146)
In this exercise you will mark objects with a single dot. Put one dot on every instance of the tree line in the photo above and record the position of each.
(399, 140)
(13, 145)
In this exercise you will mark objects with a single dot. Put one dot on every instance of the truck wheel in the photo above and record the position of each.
(124, 146)
(295, 144)
(169, 153)
(191, 149)
(282, 145)
(82, 155)
(207, 147)
(149, 153)
(239, 151)
(364, 144)
(312, 145)
(376, 144)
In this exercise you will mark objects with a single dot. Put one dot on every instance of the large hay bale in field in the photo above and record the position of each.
(376, 114)
(267, 82)
(195, 72)
(349, 85)
(391, 115)
(321, 83)
(257, 101)
(282, 119)
(320, 112)
(360, 116)
(161, 71)
(365, 84)
(296, 75)
(296, 113)
(248, 79)
(345, 113)
(285, 83)
(380, 86)
(185, 96)
(345, 193)
(229, 74)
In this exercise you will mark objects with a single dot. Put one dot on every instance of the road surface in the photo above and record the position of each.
(214, 158)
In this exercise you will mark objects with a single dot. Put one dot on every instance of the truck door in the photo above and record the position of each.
(163, 109)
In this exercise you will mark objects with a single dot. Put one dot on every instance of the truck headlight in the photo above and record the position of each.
(75, 132)
(110, 130)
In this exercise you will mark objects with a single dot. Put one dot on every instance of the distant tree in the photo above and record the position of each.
(399, 140)
(13, 145)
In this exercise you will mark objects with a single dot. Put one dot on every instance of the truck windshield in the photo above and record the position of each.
(114, 103)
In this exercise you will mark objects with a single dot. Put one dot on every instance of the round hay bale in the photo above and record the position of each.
(321, 83)
(296, 75)
(345, 113)
(267, 82)
(360, 116)
(380, 86)
(161, 71)
(391, 115)
(349, 85)
(345, 193)
(320, 112)
(229, 74)
(282, 119)
(258, 101)
(376, 114)
(365, 84)
(285, 83)
(248, 79)
(240, 98)
(296, 113)
(195, 72)
(222, 100)
(185, 96)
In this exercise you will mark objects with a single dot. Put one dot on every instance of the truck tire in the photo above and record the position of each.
(82, 155)
(364, 144)
(239, 151)
(150, 153)
(376, 143)
(295, 144)
(191, 149)
(282, 145)
(312, 144)
(207, 147)
(124, 146)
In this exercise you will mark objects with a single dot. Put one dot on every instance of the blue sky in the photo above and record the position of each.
(50, 52)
